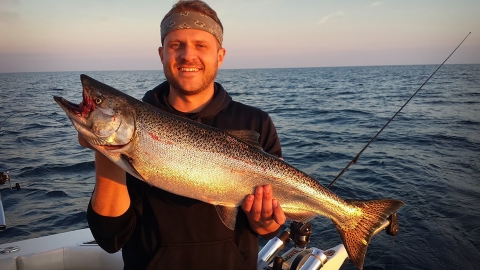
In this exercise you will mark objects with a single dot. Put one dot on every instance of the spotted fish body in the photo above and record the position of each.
(215, 166)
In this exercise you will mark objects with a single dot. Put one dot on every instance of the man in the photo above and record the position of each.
(159, 230)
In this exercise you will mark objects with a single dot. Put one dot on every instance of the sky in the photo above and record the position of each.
(89, 35)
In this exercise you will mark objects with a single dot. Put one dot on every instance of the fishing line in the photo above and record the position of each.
(6, 118)
(354, 160)
(393, 252)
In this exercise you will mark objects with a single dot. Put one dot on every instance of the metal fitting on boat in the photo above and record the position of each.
(315, 261)
(266, 255)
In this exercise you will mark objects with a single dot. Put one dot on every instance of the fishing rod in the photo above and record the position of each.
(354, 160)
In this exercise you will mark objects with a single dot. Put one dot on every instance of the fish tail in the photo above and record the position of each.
(357, 232)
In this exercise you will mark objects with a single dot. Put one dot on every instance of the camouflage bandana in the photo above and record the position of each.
(190, 20)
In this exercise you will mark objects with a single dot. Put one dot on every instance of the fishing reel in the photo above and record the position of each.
(4, 177)
(300, 233)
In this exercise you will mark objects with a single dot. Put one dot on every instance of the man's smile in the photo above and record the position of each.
(189, 69)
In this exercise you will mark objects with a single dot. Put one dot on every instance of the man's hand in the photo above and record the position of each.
(110, 196)
(264, 213)
(84, 142)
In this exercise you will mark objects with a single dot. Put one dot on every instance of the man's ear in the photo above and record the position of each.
(221, 56)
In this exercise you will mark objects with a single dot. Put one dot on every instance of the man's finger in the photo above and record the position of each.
(256, 210)
(278, 214)
(248, 203)
(267, 203)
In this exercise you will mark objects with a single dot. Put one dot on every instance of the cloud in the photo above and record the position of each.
(374, 4)
(10, 2)
(328, 17)
(8, 17)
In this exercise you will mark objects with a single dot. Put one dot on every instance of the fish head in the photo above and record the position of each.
(104, 118)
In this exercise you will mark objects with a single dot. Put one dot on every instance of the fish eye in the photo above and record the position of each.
(98, 101)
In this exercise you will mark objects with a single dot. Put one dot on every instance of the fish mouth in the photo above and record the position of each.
(81, 110)
(69, 106)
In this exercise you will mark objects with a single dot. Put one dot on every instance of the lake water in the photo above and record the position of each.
(429, 155)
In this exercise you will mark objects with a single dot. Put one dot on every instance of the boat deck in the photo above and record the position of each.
(69, 250)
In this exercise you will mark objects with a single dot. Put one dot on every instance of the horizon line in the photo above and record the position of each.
(252, 68)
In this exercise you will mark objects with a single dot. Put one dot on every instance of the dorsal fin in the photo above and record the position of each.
(249, 137)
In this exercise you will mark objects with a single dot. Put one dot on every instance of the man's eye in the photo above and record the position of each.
(175, 45)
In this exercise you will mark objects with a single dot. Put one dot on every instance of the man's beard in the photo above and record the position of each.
(207, 79)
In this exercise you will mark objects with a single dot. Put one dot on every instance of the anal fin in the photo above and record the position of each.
(228, 215)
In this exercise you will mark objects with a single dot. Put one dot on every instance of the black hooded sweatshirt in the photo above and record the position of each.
(161, 230)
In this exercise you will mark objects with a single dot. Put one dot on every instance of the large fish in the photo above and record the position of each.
(215, 166)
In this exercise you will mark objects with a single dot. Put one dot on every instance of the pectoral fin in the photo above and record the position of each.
(128, 167)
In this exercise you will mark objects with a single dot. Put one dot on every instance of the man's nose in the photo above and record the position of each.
(188, 53)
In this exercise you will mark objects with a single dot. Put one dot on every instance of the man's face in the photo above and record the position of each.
(190, 60)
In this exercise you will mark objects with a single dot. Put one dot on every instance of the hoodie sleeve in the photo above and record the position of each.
(111, 233)
(269, 138)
